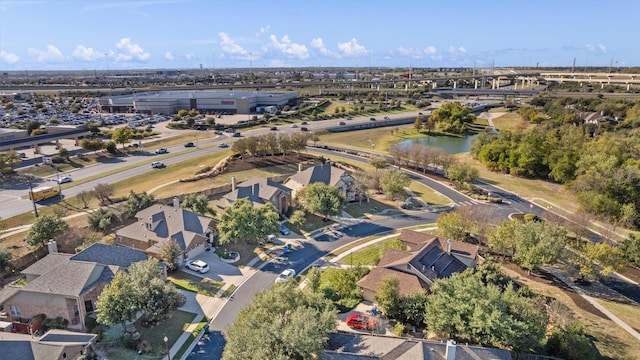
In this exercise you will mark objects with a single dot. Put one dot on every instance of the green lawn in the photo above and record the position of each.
(427, 194)
(195, 284)
(371, 255)
(374, 206)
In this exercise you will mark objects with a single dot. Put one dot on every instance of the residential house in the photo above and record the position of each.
(259, 191)
(428, 259)
(54, 345)
(67, 285)
(342, 346)
(159, 223)
(326, 174)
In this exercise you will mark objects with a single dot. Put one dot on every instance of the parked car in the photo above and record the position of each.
(218, 132)
(197, 266)
(372, 119)
(189, 144)
(272, 238)
(22, 155)
(236, 134)
(361, 321)
(349, 118)
(286, 275)
(303, 123)
(294, 126)
(386, 118)
(223, 145)
(161, 151)
(63, 180)
(158, 165)
(274, 128)
(342, 123)
(304, 129)
(284, 230)
(230, 130)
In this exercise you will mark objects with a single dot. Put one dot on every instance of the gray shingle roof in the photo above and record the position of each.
(324, 173)
(258, 190)
(106, 254)
(168, 222)
(68, 279)
(47, 263)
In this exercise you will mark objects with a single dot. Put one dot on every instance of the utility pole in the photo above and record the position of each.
(33, 200)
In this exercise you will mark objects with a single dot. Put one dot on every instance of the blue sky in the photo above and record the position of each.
(152, 34)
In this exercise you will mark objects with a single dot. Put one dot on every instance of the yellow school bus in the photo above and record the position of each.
(44, 192)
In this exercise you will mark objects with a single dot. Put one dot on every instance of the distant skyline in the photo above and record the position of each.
(153, 34)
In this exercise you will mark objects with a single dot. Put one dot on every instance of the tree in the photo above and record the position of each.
(169, 253)
(297, 218)
(115, 304)
(502, 240)
(101, 220)
(5, 259)
(314, 279)
(598, 259)
(142, 288)
(242, 222)
(154, 296)
(63, 153)
(7, 161)
(137, 202)
(122, 135)
(393, 183)
(462, 173)
(32, 126)
(75, 238)
(93, 127)
(571, 342)
(537, 243)
(45, 228)
(379, 162)
(389, 298)
(85, 196)
(631, 249)
(281, 323)
(418, 124)
(103, 192)
(465, 308)
(92, 144)
(198, 203)
(453, 117)
(323, 199)
(452, 226)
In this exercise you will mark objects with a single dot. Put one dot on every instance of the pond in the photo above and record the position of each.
(450, 144)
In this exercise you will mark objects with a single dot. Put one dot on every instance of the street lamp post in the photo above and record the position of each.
(166, 345)
(33, 200)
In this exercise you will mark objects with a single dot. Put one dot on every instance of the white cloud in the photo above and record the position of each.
(8, 57)
(229, 46)
(590, 48)
(50, 54)
(457, 51)
(602, 48)
(430, 50)
(289, 48)
(189, 56)
(318, 44)
(169, 56)
(87, 54)
(263, 30)
(352, 48)
(130, 51)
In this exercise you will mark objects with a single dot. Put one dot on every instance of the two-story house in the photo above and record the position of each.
(430, 258)
(67, 285)
(327, 174)
(159, 223)
(259, 191)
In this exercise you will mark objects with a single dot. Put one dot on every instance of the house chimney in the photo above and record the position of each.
(52, 246)
(300, 167)
(233, 183)
(450, 354)
(449, 246)
(176, 202)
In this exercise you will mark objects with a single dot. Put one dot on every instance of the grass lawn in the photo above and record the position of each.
(370, 255)
(628, 313)
(247, 252)
(312, 222)
(374, 205)
(427, 194)
(195, 284)
(511, 121)
(171, 328)
(382, 138)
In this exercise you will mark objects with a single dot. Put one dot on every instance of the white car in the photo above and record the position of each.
(63, 180)
(161, 151)
(286, 275)
(197, 266)
(157, 165)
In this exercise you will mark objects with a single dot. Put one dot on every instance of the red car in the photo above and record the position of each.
(360, 321)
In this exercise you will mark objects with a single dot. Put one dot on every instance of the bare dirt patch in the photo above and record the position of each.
(257, 162)
(632, 273)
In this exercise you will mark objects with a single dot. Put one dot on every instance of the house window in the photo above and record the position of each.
(15, 310)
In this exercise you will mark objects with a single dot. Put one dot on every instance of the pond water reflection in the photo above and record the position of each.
(450, 144)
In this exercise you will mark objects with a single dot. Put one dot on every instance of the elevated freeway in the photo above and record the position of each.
(597, 78)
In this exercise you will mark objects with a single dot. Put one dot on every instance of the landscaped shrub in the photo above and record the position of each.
(204, 170)
(131, 340)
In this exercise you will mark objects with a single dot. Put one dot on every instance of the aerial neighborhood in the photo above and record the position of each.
(380, 196)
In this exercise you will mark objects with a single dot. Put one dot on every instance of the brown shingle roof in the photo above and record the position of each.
(392, 256)
(324, 173)
(409, 284)
(459, 248)
(415, 237)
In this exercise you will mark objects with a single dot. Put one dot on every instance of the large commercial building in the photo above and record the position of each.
(205, 101)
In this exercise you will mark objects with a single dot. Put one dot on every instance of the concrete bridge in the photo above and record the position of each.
(597, 78)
